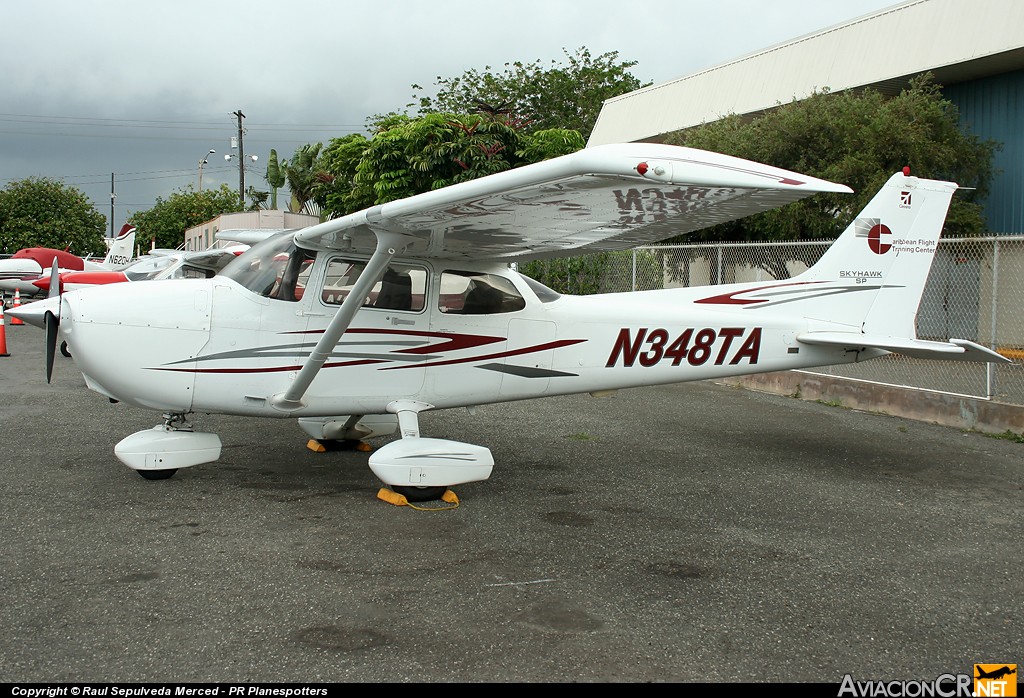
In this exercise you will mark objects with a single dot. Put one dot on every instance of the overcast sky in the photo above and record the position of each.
(143, 90)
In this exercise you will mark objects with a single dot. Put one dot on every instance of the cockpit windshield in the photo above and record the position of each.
(274, 268)
(148, 267)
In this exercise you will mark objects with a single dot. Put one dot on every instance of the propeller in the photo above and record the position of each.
(51, 321)
(51, 342)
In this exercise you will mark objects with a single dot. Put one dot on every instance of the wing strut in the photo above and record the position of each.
(387, 244)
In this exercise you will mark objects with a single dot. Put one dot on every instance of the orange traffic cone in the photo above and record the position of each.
(17, 302)
(3, 334)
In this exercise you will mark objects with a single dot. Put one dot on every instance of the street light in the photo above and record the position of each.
(241, 172)
(202, 162)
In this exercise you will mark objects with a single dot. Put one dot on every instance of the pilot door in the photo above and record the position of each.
(378, 355)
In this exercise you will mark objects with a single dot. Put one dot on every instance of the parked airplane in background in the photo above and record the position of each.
(18, 272)
(413, 305)
(156, 264)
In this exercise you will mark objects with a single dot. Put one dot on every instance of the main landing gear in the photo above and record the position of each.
(422, 469)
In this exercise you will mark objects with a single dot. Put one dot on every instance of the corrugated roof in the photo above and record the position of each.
(955, 39)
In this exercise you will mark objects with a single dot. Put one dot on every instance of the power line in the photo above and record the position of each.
(181, 125)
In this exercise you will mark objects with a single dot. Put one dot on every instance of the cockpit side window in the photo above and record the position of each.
(291, 282)
(475, 293)
(403, 287)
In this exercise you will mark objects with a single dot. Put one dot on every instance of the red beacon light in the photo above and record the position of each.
(906, 171)
(660, 171)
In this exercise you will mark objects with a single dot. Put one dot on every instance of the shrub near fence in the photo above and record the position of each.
(974, 291)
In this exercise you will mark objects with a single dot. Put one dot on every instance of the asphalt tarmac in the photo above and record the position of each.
(687, 533)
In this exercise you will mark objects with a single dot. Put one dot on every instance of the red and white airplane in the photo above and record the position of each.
(20, 270)
(356, 325)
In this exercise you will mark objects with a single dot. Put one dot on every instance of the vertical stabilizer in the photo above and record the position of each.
(880, 264)
(122, 250)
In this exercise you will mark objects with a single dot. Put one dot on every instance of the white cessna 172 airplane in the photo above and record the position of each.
(356, 325)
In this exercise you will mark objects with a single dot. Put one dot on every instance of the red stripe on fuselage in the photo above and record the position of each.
(730, 298)
(274, 369)
(499, 355)
(451, 342)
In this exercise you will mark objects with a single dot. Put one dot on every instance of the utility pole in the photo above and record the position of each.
(112, 197)
(241, 160)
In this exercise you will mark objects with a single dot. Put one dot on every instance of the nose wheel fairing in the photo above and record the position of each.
(166, 447)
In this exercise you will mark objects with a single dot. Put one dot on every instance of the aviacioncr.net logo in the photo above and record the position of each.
(944, 686)
(995, 680)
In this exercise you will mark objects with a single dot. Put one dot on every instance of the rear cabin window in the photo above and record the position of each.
(402, 287)
(474, 293)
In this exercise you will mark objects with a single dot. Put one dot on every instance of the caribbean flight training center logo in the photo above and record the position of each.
(988, 681)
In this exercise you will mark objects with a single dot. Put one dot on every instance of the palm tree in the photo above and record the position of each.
(275, 176)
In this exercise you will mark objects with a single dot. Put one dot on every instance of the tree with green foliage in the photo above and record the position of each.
(536, 96)
(856, 138)
(257, 199)
(303, 174)
(859, 139)
(42, 212)
(409, 156)
(165, 224)
(336, 186)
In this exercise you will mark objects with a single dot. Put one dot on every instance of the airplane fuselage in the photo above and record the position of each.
(217, 346)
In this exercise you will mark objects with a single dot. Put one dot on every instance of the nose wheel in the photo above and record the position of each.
(419, 494)
(157, 474)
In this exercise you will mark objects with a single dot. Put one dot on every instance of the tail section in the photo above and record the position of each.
(878, 267)
(865, 290)
(122, 250)
(874, 274)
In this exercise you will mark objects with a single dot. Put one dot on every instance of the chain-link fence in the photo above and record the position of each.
(975, 291)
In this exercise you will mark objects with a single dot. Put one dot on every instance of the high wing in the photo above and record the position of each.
(605, 198)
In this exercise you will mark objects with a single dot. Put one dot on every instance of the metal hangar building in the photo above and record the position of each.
(974, 48)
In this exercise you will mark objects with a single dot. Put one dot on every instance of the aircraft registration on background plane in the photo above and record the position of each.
(357, 325)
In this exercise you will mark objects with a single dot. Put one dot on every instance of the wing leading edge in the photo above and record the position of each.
(610, 197)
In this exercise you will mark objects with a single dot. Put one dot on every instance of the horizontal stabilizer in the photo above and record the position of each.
(953, 350)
